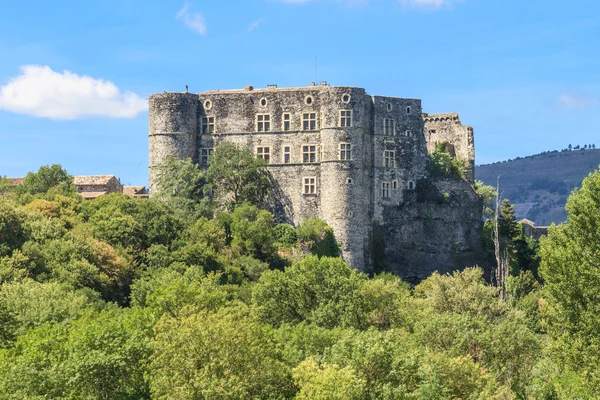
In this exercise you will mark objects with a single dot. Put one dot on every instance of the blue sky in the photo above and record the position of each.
(75, 75)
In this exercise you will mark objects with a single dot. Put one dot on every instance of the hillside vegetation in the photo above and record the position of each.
(539, 185)
(186, 297)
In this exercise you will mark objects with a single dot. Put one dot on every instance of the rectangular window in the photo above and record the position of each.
(388, 127)
(208, 125)
(309, 121)
(389, 158)
(345, 151)
(385, 190)
(263, 122)
(287, 122)
(310, 185)
(204, 156)
(264, 153)
(287, 154)
(309, 153)
(346, 118)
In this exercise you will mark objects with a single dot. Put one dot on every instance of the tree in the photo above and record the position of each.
(222, 355)
(6, 186)
(46, 178)
(238, 175)
(570, 147)
(488, 195)
(570, 267)
(184, 186)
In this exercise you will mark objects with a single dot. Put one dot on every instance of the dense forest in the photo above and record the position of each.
(198, 294)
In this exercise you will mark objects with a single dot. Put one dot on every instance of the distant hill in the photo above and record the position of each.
(539, 185)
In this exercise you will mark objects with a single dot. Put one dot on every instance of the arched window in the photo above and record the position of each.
(411, 185)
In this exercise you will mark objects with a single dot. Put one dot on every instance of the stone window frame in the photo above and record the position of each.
(263, 102)
(346, 97)
(349, 181)
(395, 184)
(345, 151)
(306, 153)
(263, 122)
(309, 185)
(261, 153)
(386, 127)
(309, 100)
(408, 109)
(385, 190)
(390, 106)
(411, 185)
(207, 125)
(288, 121)
(408, 133)
(389, 158)
(205, 154)
(346, 119)
(287, 153)
(208, 105)
(307, 118)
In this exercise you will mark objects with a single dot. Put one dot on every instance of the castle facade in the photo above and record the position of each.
(354, 160)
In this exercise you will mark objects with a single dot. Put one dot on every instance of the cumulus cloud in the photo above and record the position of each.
(576, 100)
(41, 92)
(194, 21)
(255, 24)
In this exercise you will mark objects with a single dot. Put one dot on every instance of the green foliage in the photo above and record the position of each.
(6, 185)
(571, 270)
(327, 382)
(238, 175)
(488, 195)
(184, 187)
(46, 178)
(253, 232)
(443, 165)
(285, 235)
(315, 235)
(12, 234)
(227, 355)
(320, 291)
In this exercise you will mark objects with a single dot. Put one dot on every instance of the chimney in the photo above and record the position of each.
(324, 83)
(271, 86)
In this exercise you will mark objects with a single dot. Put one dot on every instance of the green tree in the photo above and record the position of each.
(238, 175)
(570, 267)
(488, 195)
(184, 186)
(46, 178)
(222, 355)
(6, 185)
(12, 234)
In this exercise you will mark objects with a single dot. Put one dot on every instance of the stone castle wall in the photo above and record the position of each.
(448, 128)
(348, 192)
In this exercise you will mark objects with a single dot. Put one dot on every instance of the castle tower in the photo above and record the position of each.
(173, 126)
(345, 179)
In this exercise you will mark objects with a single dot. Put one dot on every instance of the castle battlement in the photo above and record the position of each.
(336, 153)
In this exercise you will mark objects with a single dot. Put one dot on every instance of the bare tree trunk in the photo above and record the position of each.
(501, 263)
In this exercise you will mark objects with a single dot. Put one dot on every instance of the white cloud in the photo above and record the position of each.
(255, 24)
(41, 92)
(576, 100)
(194, 21)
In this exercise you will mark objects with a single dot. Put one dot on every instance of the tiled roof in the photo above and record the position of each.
(92, 179)
(134, 190)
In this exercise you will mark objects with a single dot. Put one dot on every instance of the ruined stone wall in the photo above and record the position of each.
(172, 129)
(437, 228)
(448, 128)
(405, 139)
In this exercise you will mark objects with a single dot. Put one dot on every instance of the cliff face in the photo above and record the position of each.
(437, 228)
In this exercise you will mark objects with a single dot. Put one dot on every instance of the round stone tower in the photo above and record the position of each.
(345, 182)
(172, 129)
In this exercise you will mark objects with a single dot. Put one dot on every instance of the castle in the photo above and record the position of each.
(354, 160)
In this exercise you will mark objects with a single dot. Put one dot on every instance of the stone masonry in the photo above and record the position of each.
(339, 154)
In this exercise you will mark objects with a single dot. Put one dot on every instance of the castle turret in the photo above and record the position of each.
(173, 126)
(346, 184)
